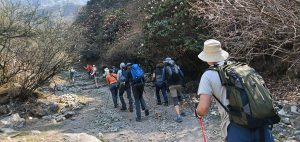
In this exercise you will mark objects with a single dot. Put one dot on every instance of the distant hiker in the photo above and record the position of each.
(72, 75)
(175, 79)
(111, 79)
(137, 81)
(94, 75)
(159, 79)
(114, 69)
(89, 69)
(104, 72)
(122, 77)
(245, 104)
(94, 71)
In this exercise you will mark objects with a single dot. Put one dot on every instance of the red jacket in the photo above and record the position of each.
(111, 78)
(89, 68)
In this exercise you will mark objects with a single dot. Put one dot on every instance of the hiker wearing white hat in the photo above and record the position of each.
(210, 85)
(213, 52)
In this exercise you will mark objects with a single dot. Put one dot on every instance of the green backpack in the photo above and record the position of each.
(250, 102)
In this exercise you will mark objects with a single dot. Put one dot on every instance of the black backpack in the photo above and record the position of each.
(160, 76)
(175, 73)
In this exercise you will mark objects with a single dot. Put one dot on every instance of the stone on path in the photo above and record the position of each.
(7, 130)
(80, 137)
(35, 132)
(294, 110)
(13, 121)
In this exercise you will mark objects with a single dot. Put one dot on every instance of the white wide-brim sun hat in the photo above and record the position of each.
(212, 52)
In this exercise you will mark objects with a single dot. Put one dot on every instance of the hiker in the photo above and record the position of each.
(104, 72)
(111, 79)
(114, 69)
(159, 79)
(175, 83)
(94, 74)
(235, 128)
(137, 80)
(94, 71)
(89, 69)
(72, 75)
(124, 85)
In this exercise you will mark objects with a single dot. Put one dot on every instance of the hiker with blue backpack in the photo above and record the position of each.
(137, 81)
(159, 79)
(175, 83)
(244, 102)
(124, 85)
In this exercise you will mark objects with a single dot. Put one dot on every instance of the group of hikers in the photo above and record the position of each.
(244, 103)
(167, 75)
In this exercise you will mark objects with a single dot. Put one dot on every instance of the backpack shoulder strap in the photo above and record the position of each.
(163, 73)
(225, 108)
(221, 73)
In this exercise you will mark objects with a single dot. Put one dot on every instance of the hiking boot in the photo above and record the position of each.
(146, 112)
(158, 103)
(123, 109)
(183, 113)
(116, 106)
(138, 120)
(130, 109)
(178, 119)
(166, 103)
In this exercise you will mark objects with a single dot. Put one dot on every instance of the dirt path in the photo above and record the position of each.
(99, 116)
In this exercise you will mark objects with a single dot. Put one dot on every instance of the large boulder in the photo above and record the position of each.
(13, 121)
(81, 137)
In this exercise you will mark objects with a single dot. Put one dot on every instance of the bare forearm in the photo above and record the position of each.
(203, 106)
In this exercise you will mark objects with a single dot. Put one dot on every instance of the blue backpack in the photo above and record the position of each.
(137, 73)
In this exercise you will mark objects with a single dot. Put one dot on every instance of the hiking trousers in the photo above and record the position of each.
(236, 133)
(114, 92)
(138, 90)
(163, 89)
(122, 89)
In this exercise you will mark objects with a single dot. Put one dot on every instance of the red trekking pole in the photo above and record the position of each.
(202, 128)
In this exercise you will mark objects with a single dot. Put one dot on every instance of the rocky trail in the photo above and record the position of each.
(89, 116)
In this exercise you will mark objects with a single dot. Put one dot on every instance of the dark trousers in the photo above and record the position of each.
(122, 89)
(137, 90)
(89, 74)
(163, 89)
(237, 133)
(114, 92)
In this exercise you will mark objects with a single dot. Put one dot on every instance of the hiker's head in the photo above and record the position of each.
(169, 61)
(128, 65)
(106, 70)
(122, 65)
(213, 52)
